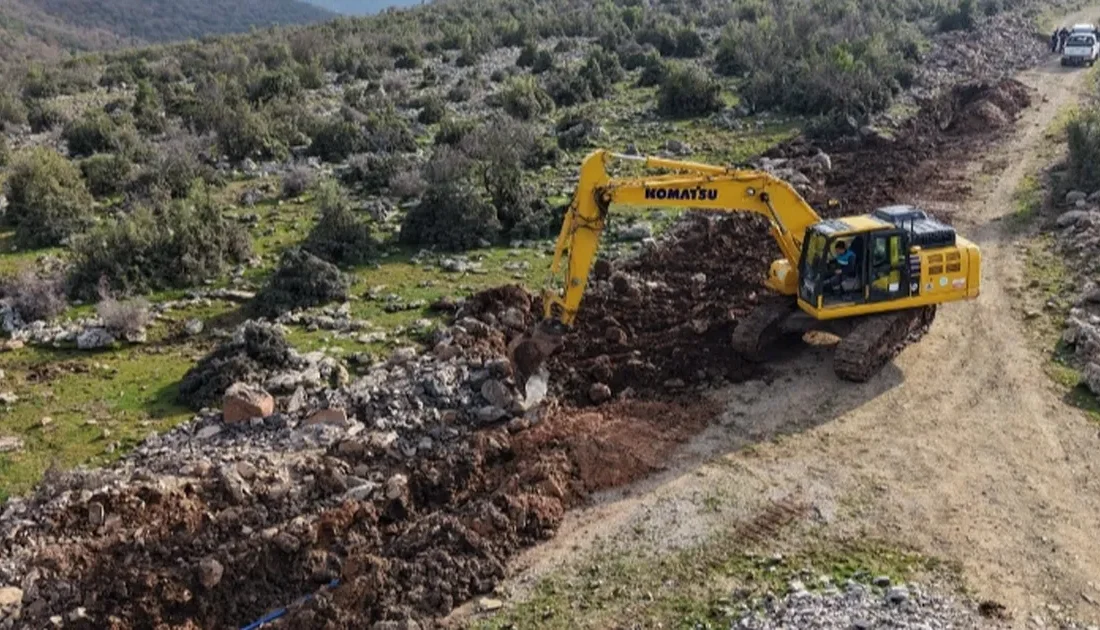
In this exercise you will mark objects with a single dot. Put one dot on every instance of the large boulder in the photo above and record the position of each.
(244, 402)
(94, 339)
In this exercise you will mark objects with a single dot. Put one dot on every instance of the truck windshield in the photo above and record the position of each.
(1080, 40)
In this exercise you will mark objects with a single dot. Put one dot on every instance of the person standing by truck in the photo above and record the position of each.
(1063, 35)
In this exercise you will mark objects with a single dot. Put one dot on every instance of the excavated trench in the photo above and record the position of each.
(223, 545)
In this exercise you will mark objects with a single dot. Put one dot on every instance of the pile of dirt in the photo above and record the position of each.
(222, 544)
(919, 158)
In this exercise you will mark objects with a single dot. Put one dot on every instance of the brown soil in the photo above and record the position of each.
(654, 327)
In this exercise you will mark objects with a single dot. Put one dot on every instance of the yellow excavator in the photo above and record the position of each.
(873, 280)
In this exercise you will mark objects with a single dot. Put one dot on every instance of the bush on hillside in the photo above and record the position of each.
(452, 213)
(106, 173)
(173, 169)
(98, 132)
(45, 116)
(689, 44)
(165, 246)
(35, 296)
(124, 318)
(5, 151)
(687, 92)
(1083, 163)
(524, 99)
(297, 181)
(47, 199)
(339, 236)
(302, 280)
(432, 110)
(654, 72)
(961, 19)
(369, 173)
(244, 133)
(283, 83)
(544, 62)
(452, 130)
(567, 87)
(602, 71)
(12, 110)
(527, 54)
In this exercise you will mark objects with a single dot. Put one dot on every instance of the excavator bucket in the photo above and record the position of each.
(529, 352)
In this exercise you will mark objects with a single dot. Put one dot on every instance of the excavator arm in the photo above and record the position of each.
(692, 185)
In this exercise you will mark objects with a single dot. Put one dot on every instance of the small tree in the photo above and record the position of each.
(106, 174)
(301, 281)
(432, 110)
(48, 201)
(339, 236)
(524, 99)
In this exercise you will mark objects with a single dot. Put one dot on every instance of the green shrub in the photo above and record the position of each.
(1083, 139)
(298, 180)
(244, 133)
(576, 130)
(524, 99)
(302, 280)
(452, 216)
(467, 58)
(961, 19)
(687, 92)
(173, 169)
(371, 172)
(602, 71)
(452, 130)
(339, 237)
(47, 199)
(432, 110)
(43, 116)
(106, 173)
(99, 132)
(283, 83)
(526, 57)
(173, 245)
(5, 151)
(335, 139)
(689, 44)
(654, 72)
(568, 88)
(544, 62)
(12, 110)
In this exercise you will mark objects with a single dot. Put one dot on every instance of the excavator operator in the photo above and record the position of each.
(844, 263)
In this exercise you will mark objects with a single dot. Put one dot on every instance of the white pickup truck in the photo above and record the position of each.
(1082, 48)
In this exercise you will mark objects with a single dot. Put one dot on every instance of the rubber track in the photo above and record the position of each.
(760, 328)
(878, 339)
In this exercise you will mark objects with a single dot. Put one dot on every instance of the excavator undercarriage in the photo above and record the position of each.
(866, 343)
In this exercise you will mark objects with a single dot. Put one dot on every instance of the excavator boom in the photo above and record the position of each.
(696, 186)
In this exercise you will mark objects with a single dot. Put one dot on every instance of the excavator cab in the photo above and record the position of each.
(882, 267)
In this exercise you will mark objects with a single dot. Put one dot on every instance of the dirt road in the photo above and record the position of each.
(962, 449)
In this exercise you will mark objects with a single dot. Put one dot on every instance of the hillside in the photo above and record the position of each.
(361, 7)
(48, 29)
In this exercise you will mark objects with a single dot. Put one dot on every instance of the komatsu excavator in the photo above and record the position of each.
(873, 280)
